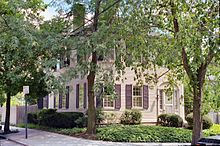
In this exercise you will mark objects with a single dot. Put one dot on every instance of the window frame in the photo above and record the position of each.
(108, 100)
(133, 96)
(107, 96)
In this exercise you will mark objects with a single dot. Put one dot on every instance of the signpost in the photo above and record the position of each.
(25, 92)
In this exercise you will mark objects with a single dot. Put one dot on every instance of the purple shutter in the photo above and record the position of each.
(145, 97)
(118, 99)
(54, 99)
(47, 101)
(77, 96)
(67, 96)
(128, 96)
(40, 103)
(85, 96)
(60, 100)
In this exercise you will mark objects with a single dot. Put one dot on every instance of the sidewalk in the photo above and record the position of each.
(42, 138)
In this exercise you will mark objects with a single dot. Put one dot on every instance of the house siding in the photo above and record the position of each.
(149, 110)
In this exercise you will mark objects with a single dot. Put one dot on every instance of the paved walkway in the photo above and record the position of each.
(42, 138)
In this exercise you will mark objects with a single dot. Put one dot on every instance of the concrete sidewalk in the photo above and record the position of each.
(42, 138)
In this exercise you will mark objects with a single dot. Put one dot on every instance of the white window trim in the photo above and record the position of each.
(137, 107)
(108, 107)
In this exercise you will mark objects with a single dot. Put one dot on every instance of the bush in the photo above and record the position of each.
(131, 117)
(162, 120)
(32, 118)
(140, 133)
(206, 121)
(170, 120)
(213, 130)
(51, 118)
(175, 120)
(78, 119)
(100, 115)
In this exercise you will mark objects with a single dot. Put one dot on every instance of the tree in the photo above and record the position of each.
(91, 42)
(187, 30)
(19, 48)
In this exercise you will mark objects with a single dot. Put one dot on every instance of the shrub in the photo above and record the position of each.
(78, 119)
(140, 133)
(56, 120)
(131, 117)
(32, 118)
(213, 130)
(162, 120)
(110, 118)
(170, 120)
(100, 115)
(207, 122)
(175, 120)
(51, 118)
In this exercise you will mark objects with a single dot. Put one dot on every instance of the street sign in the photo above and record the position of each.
(26, 90)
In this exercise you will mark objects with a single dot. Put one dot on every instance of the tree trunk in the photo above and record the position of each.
(197, 115)
(7, 115)
(91, 125)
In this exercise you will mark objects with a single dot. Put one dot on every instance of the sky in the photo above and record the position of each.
(49, 12)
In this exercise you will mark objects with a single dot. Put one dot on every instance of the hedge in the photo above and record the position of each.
(140, 133)
(51, 118)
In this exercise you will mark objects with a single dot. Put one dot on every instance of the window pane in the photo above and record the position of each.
(161, 99)
(137, 101)
(168, 99)
(107, 102)
(81, 95)
(63, 101)
(136, 91)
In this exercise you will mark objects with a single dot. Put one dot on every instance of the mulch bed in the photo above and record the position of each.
(86, 136)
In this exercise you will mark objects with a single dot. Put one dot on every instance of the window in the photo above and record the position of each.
(108, 102)
(45, 102)
(64, 102)
(176, 99)
(137, 96)
(81, 95)
(56, 101)
(161, 98)
(168, 98)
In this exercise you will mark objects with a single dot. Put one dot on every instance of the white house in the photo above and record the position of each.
(150, 99)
